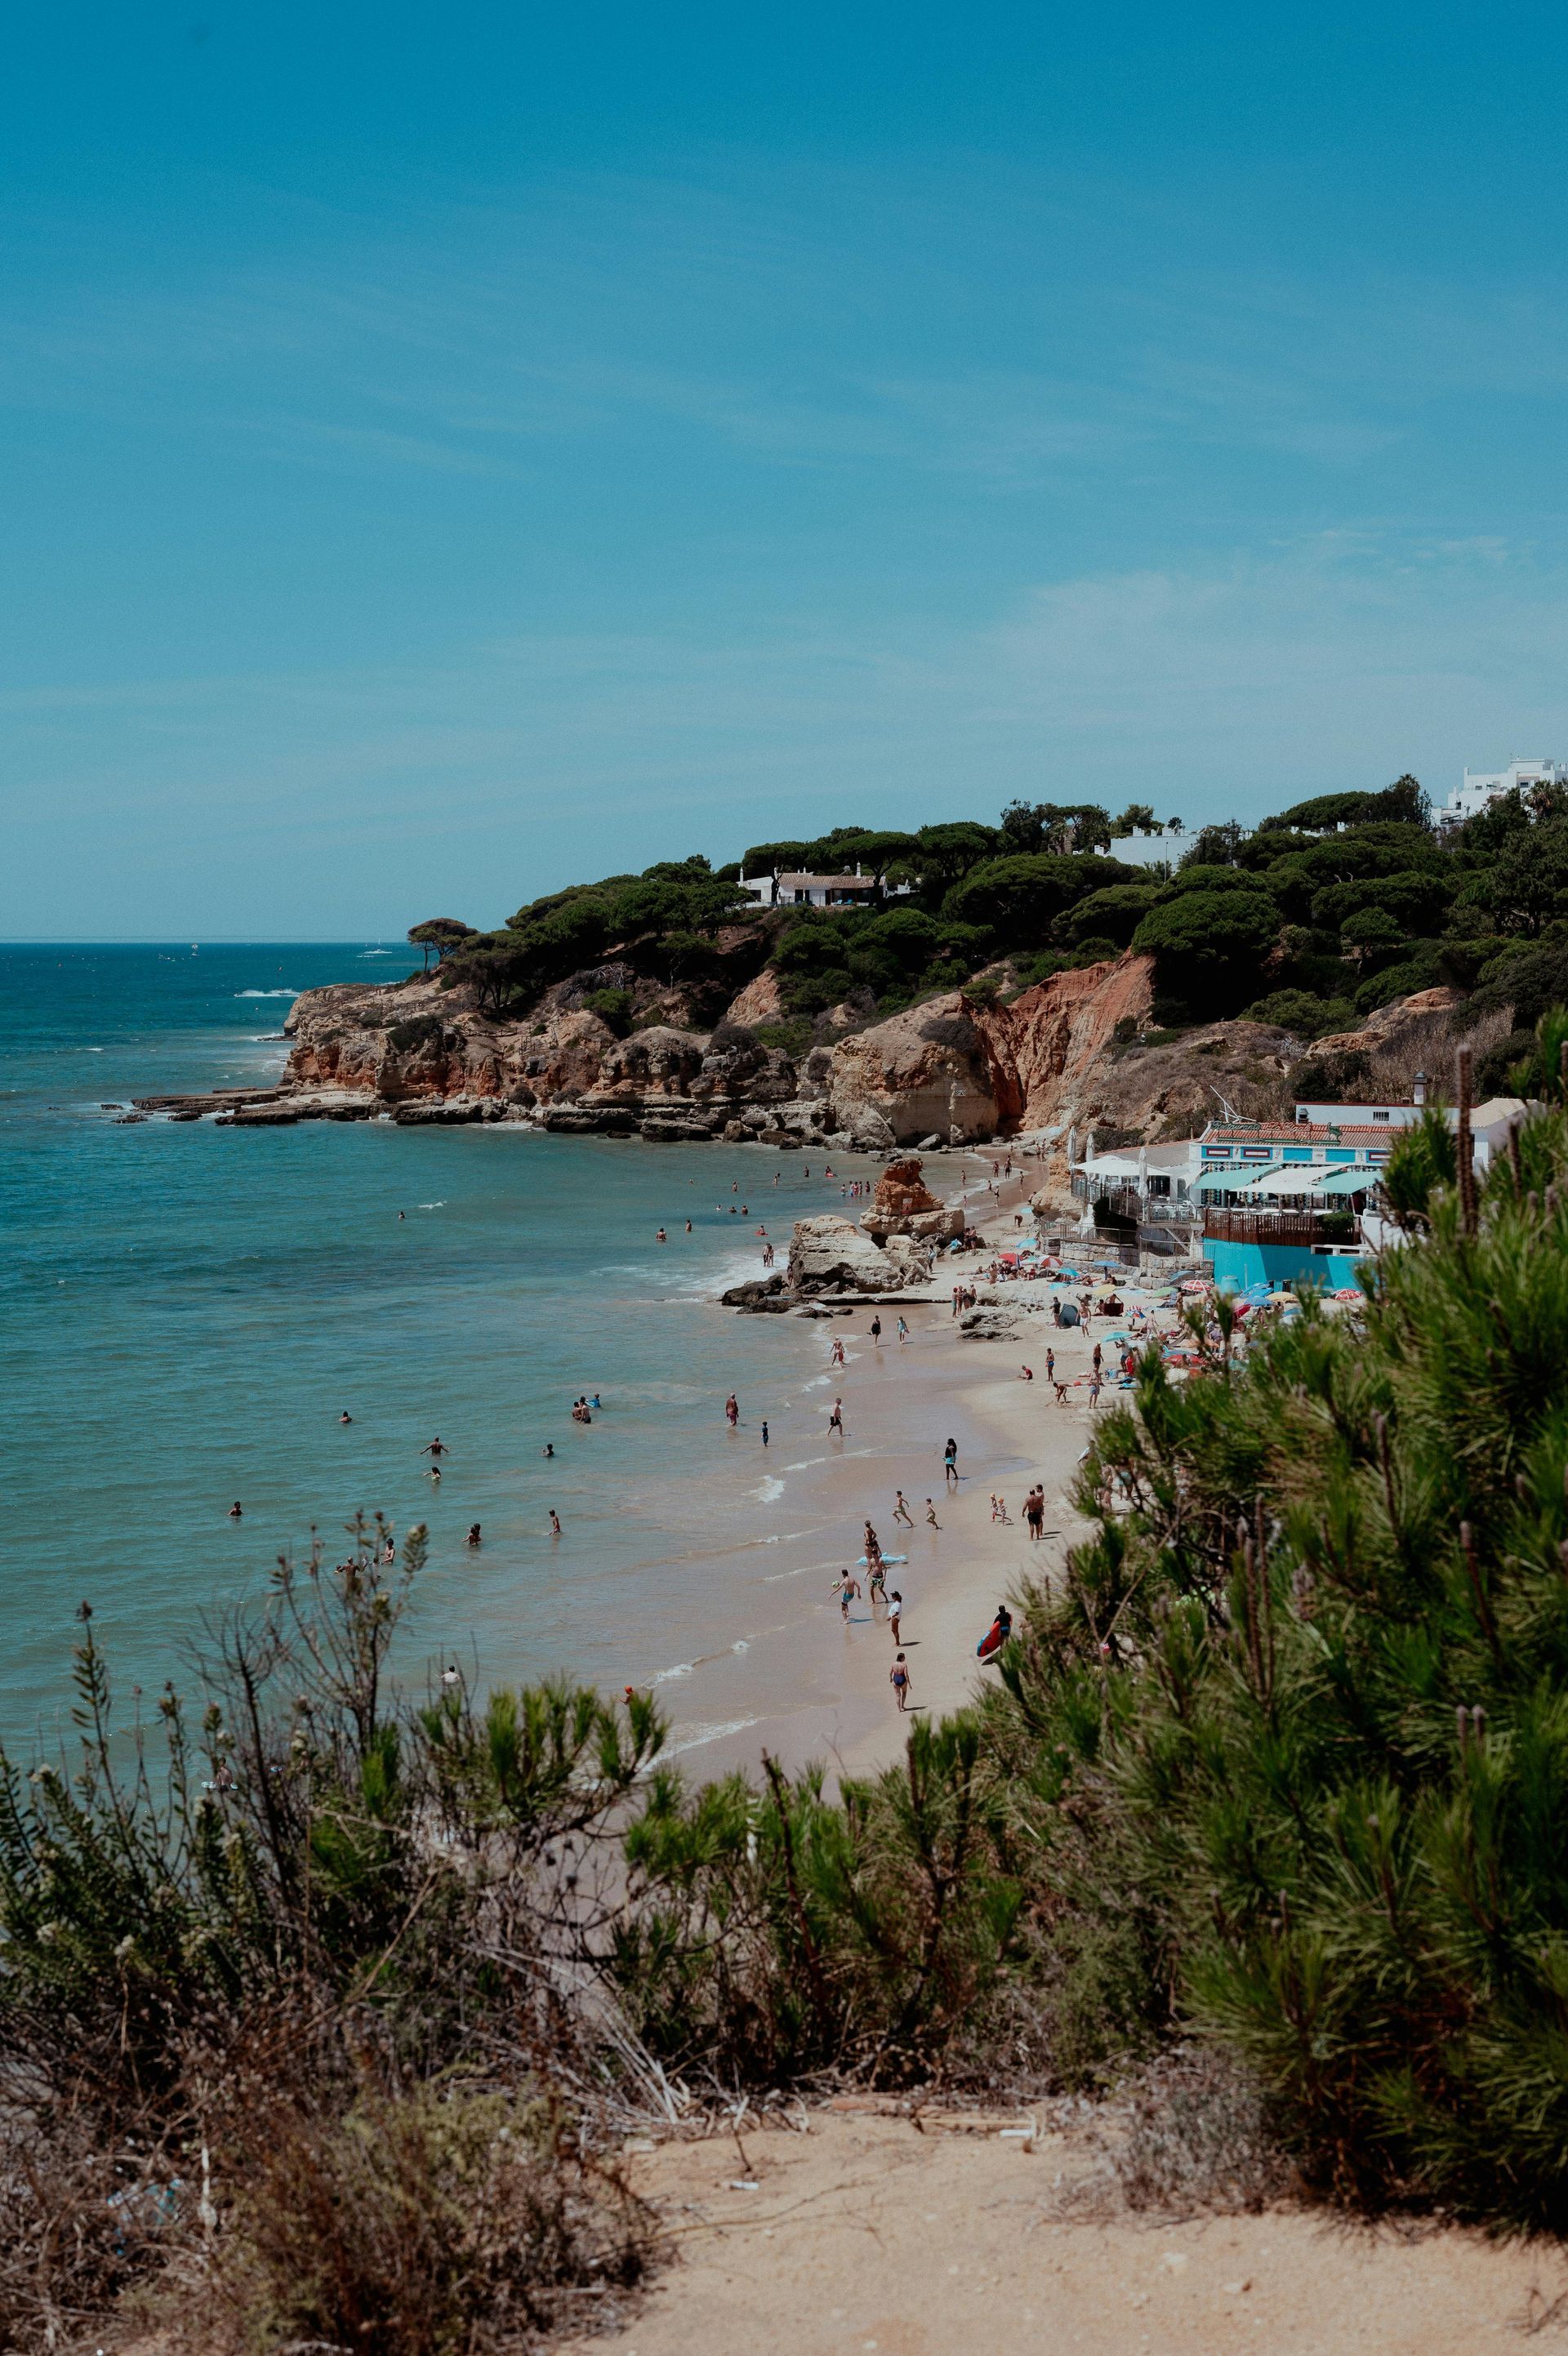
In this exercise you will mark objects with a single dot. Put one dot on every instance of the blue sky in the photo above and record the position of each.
(447, 459)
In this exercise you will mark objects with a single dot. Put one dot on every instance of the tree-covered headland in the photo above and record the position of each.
(1330, 910)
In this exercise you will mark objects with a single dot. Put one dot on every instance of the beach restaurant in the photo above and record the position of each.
(1287, 1201)
(1266, 1203)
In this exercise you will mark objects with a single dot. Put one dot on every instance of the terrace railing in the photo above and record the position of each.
(1298, 1230)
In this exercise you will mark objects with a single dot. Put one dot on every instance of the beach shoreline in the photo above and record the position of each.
(817, 1688)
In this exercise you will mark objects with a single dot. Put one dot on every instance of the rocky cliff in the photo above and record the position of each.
(1070, 1053)
(952, 1069)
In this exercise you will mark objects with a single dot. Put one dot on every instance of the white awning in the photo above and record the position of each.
(1320, 1178)
(1232, 1180)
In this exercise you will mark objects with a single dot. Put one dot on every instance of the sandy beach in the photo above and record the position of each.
(819, 1688)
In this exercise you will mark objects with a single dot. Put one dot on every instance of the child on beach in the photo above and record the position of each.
(901, 1511)
(898, 1678)
(931, 1514)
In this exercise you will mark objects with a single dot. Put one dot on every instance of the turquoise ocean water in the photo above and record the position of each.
(185, 1310)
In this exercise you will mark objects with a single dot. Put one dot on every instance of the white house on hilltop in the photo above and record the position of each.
(856, 891)
(1483, 787)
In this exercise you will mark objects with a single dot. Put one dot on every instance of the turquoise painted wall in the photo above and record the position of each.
(1235, 1267)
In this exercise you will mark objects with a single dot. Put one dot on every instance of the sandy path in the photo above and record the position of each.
(865, 2235)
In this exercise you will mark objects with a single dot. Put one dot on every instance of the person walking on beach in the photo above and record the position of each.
(732, 1411)
(835, 1420)
(765, 1432)
(903, 1329)
(895, 1613)
(876, 1331)
(836, 1358)
(901, 1511)
(950, 1462)
(898, 1678)
(1035, 1512)
(931, 1520)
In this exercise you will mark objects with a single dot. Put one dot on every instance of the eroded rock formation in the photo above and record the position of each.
(904, 1205)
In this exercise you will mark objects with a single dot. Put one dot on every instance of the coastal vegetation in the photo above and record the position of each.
(324, 2005)
(1330, 910)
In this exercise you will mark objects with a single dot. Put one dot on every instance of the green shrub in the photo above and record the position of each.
(1299, 1011)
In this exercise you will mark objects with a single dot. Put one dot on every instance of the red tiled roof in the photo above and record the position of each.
(1307, 1132)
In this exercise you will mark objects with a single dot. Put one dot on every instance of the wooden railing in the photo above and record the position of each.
(1298, 1229)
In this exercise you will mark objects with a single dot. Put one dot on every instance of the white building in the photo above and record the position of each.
(856, 891)
(1160, 846)
(1482, 786)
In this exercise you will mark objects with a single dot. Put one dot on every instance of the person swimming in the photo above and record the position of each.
(473, 1534)
(344, 1417)
(234, 1511)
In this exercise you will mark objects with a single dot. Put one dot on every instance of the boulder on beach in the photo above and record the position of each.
(832, 1255)
(904, 1205)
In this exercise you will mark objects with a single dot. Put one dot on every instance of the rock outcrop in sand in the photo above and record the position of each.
(832, 1255)
(904, 1205)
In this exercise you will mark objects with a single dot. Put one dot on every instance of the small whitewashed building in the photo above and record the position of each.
(787, 891)
(1483, 787)
(1160, 846)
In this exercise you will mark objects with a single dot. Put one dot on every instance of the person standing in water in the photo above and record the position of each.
(765, 1432)
(732, 1411)
(847, 1588)
(554, 1523)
